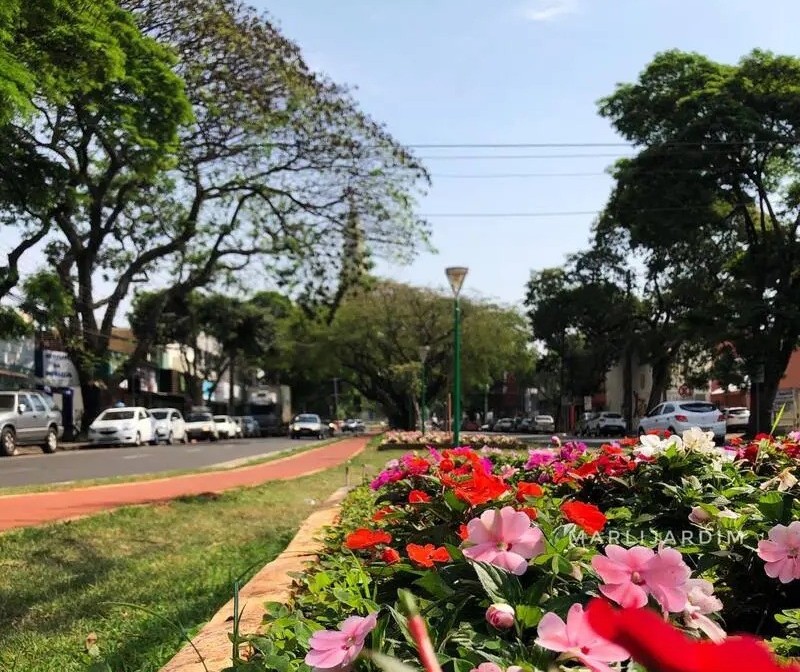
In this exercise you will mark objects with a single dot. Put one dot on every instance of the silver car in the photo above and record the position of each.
(28, 419)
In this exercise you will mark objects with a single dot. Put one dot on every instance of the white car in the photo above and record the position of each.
(678, 416)
(226, 427)
(201, 426)
(127, 425)
(169, 425)
(544, 424)
(606, 423)
(307, 424)
(737, 419)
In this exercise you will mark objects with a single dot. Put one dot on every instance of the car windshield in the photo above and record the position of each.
(199, 417)
(159, 415)
(698, 407)
(738, 411)
(220, 419)
(6, 402)
(615, 416)
(308, 418)
(116, 415)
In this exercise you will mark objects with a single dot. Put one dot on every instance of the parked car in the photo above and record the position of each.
(353, 426)
(329, 426)
(28, 418)
(582, 428)
(307, 424)
(504, 425)
(525, 425)
(678, 416)
(122, 426)
(606, 423)
(226, 427)
(737, 419)
(169, 425)
(544, 424)
(201, 426)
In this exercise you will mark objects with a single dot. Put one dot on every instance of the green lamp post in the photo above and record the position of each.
(455, 276)
(424, 350)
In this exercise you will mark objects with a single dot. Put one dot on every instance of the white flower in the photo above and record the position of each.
(698, 441)
(699, 515)
(727, 513)
(652, 444)
(786, 480)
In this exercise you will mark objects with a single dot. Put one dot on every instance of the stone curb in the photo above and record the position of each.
(211, 648)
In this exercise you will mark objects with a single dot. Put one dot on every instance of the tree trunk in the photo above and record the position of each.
(762, 395)
(627, 387)
(661, 371)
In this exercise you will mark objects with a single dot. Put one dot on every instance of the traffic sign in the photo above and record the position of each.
(685, 391)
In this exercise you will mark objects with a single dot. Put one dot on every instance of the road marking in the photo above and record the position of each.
(194, 450)
(134, 457)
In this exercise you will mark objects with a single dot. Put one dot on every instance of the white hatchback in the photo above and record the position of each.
(127, 425)
(169, 425)
(678, 416)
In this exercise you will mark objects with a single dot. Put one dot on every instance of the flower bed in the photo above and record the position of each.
(557, 559)
(413, 441)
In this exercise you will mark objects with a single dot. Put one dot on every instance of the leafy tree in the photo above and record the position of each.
(376, 335)
(583, 321)
(50, 52)
(281, 173)
(713, 197)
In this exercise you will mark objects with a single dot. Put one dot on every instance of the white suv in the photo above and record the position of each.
(607, 424)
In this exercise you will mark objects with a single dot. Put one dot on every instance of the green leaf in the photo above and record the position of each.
(387, 663)
(499, 585)
(454, 502)
(434, 585)
(528, 616)
(771, 505)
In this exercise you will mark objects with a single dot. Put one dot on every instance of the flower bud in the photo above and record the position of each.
(699, 515)
(500, 616)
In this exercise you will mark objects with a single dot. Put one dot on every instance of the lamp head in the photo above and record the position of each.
(455, 276)
(424, 350)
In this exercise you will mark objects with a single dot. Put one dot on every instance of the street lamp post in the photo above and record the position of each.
(455, 276)
(424, 350)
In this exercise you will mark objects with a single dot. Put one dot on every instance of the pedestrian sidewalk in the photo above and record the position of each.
(42, 507)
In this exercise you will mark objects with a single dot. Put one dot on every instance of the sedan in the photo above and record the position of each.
(678, 416)
(226, 427)
(504, 425)
(131, 426)
(544, 424)
(737, 419)
(308, 424)
(169, 425)
(201, 426)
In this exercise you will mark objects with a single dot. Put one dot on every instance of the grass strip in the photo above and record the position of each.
(67, 588)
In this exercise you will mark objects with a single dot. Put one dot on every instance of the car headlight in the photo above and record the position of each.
(295, 428)
(206, 428)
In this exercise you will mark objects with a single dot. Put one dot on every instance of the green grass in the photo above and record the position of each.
(137, 478)
(59, 583)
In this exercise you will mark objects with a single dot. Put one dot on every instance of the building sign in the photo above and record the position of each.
(784, 398)
(58, 370)
(18, 356)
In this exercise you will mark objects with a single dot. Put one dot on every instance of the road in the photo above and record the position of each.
(35, 468)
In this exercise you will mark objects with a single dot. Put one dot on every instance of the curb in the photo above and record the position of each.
(210, 650)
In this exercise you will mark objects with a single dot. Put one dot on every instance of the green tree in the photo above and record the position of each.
(281, 174)
(583, 321)
(376, 335)
(713, 197)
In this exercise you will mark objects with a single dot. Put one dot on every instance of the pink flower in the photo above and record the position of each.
(507, 471)
(540, 457)
(700, 600)
(494, 667)
(504, 538)
(576, 640)
(631, 575)
(500, 616)
(781, 552)
(338, 649)
(699, 515)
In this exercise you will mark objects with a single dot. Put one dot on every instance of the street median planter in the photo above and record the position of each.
(418, 441)
(210, 650)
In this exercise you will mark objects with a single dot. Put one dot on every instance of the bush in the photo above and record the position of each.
(500, 548)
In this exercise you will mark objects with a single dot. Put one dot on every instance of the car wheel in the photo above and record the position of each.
(170, 439)
(8, 442)
(50, 444)
(138, 440)
(671, 430)
(641, 431)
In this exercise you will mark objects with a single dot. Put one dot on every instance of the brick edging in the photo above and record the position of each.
(271, 584)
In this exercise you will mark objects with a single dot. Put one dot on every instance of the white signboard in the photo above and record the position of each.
(58, 369)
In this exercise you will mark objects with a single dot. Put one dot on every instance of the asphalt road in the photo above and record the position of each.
(35, 468)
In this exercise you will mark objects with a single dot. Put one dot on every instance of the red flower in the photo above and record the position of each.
(463, 532)
(418, 497)
(763, 437)
(390, 556)
(380, 514)
(364, 538)
(659, 646)
(528, 490)
(628, 442)
(530, 512)
(586, 516)
(480, 489)
(428, 554)
(446, 465)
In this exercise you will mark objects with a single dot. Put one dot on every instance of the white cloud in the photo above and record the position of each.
(549, 10)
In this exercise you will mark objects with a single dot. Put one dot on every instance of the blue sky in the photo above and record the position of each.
(512, 71)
